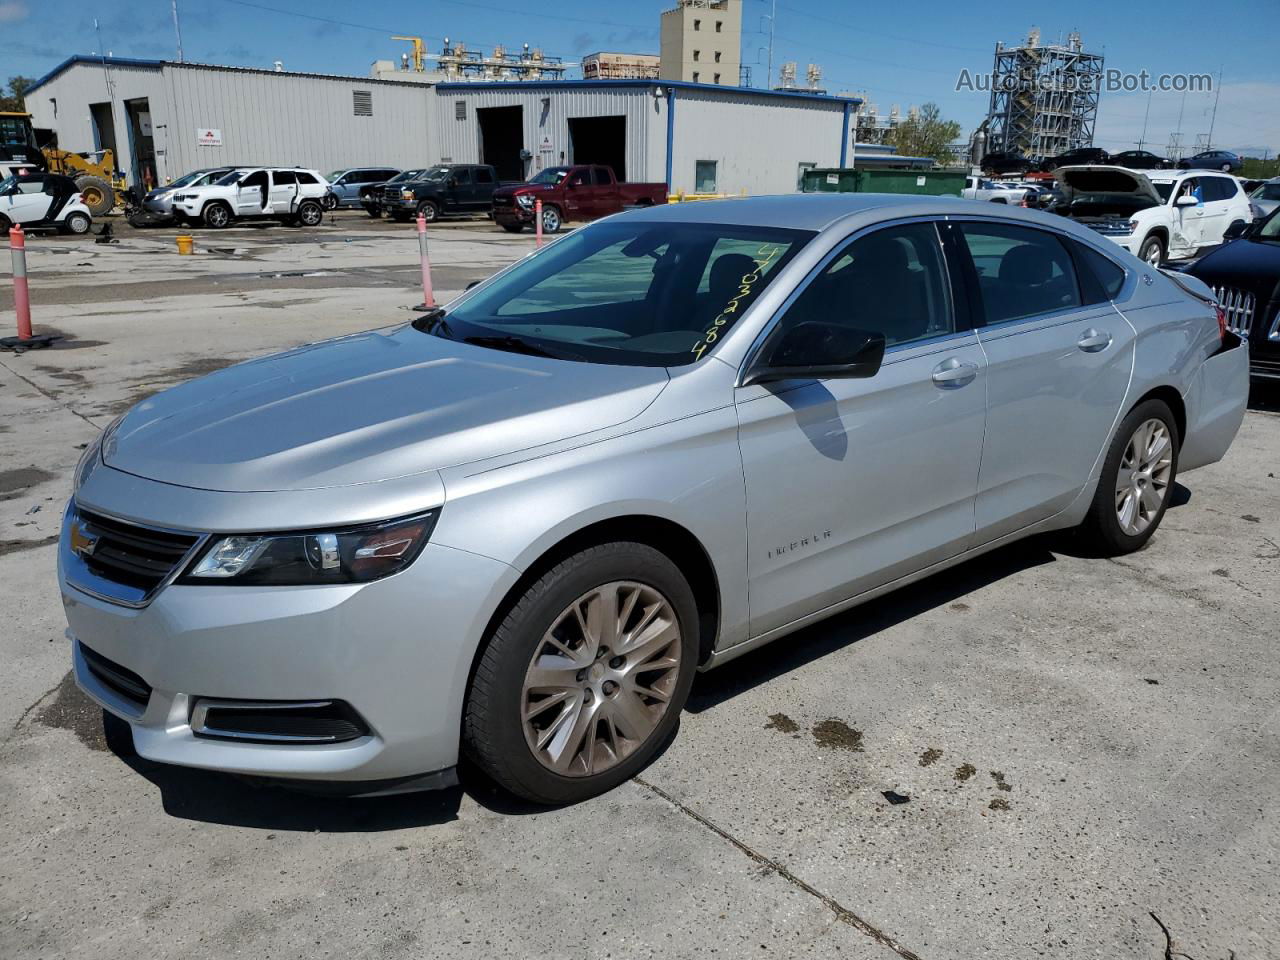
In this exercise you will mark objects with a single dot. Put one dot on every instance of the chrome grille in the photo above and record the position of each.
(1238, 305)
(118, 561)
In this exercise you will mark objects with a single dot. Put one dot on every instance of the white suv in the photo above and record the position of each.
(1157, 215)
(291, 194)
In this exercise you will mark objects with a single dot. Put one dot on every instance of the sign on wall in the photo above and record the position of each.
(546, 145)
(207, 137)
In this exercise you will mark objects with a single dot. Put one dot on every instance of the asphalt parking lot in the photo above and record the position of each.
(1036, 754)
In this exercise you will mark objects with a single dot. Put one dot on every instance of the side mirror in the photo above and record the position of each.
(1237, 230)
(819, 351)
(1186, 200)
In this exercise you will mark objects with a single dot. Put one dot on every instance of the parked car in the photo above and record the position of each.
(445, 190)
(1213, 160)
(1167, 214)
(42, 200)
(1265, 198)
(1075, 158)
(1141, 160)
(1245, 276)
(371, 194)
(289, 194)
(159, 202)
(518, 526)
(993, 191)
(345, 186)
(571, 193)
(1006, 162)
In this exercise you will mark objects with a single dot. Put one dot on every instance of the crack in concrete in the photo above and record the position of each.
(1159, 584)
(53, 397)
(27, 712)
(843, 913)
(1171, 945)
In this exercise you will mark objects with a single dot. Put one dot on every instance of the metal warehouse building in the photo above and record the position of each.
(165, 118)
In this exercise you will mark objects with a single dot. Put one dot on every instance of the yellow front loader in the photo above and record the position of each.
(101, 186)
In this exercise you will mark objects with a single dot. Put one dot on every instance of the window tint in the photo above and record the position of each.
(256, 179)
(282, 177)
(1021, 272)
(31, 186)
(1220, 188)
(461, 176)
(484, 175)
(304, 177)
(602, 175)
(892, 282)
(579, 178)
(1108, 274)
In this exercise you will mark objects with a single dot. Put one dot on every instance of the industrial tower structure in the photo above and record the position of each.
(1044, 99)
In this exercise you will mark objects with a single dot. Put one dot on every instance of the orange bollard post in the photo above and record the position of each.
(21, 295)
(537, 219)
(428, 295)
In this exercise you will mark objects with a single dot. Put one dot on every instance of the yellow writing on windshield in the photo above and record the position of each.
(764, 257)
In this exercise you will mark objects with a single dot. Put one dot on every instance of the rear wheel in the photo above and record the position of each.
(585, 678)
(1226, 168)
(216, 215)
(96, 194)
(77, 223)
(310, 213)
(1137, 480)
(1152, 251)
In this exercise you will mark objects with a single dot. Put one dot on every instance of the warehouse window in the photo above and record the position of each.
(459, 109)
(697, 24)
(717, 78)
(717, 56)
(695, 76)
(697, 55)
(719, 24)
(362, 102)
(704, 176)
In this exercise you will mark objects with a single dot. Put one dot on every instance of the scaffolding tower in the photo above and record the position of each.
(1044, 98)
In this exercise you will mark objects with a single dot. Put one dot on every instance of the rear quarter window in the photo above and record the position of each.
(1108, 276)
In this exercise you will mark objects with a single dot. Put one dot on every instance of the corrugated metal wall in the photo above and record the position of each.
(758, 142)
(459, 140)
(288, 119)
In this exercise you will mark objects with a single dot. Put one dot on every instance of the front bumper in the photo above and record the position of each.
(162, 205)
(398, 651)
(513, 214)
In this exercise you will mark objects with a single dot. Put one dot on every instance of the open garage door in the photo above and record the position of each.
(601, 140)
(502, 139)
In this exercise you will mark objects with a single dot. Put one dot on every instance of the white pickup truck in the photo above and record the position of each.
(993, 191)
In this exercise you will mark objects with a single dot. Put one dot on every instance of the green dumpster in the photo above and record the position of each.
(931, 183)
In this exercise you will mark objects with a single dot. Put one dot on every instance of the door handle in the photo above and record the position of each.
(953, 373)
(1094, 341)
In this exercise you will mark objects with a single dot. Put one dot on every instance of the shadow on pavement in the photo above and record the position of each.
(1264, 396)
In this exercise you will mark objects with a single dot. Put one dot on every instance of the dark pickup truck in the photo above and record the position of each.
(571, 193)
(447, 189)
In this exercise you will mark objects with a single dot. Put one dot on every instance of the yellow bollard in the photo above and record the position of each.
(186, 244)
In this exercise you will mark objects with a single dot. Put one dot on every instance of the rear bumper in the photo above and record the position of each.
(1215, 405)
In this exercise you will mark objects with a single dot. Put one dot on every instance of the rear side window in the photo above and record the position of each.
(282, 177)
(1108, 276)
(602, 175)
(1219, 188)
(484, 175)
(1021, 272)
(304, 177)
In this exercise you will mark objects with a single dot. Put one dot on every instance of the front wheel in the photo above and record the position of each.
(551, 221)
(1152, 251)
(513, 227)
(310, 213)
(428, 211)
(375, 212)
(216, 216)
(1137, 481)
(5, 225)
(585, 678)
(78, 223)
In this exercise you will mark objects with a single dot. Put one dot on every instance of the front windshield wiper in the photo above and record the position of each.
(516, 345)
(433, 321)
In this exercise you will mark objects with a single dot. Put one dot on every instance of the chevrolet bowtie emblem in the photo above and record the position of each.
(82, 544)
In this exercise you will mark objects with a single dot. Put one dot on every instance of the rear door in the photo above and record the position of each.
(284, 190)
(1058, 358)
(26, 202)
(486, 183)
(1218, 192)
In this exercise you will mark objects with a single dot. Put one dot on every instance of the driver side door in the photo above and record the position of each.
(26, 202)
(854, 483)
(252, 194)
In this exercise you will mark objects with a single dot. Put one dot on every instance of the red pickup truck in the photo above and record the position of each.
(571, 193)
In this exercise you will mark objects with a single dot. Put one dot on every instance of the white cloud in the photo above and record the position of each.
(1246, 118)
(12, 11)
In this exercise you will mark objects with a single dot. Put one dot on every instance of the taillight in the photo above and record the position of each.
(1222, 322)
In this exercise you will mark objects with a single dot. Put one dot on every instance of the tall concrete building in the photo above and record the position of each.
(702, 42)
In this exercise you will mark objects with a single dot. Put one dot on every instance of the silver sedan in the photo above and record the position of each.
(518, 526)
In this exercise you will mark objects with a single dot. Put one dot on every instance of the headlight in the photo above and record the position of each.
(525, 199)
(1133, 226)
(353, 555)
(406, 194)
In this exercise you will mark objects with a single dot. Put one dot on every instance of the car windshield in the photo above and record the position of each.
(435, 173)
(7, 184)
(232, 177)
(406, 176)
(632, 293)
(188, 179)
(14, 132)
(1269, 229)
(333, 175)
(551, 175)
(1268, 191)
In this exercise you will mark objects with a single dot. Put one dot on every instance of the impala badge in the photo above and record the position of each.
(82, 544)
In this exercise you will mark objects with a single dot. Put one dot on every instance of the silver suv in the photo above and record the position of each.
(518, 526)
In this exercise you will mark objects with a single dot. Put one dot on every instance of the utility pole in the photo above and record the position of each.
(1214, 118)
(1146, 116)
(773, 17)
(177, 29)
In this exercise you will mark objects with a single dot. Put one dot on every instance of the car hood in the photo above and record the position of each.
(1253, 264)
(367, 408)
(1104, 178)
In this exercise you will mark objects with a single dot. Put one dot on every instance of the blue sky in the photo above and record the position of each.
(904, 55)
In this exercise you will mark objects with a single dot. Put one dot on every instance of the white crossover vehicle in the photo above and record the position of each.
(1160, 215)
(291, 194)
(43, 199)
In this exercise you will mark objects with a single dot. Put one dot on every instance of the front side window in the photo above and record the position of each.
(579, 178)
(256, 179)
(892, 282)
(636, 293)
(1021, 272)
(231, 178)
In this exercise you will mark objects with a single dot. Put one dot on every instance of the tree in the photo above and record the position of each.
(11, 102)
(926, 135)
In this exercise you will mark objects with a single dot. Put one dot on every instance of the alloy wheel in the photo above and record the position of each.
(550, 220)
(1142, 480)
(601, 678)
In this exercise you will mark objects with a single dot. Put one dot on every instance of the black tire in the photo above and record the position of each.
(96, 193)
(1226, 168)
(310, 213)
(1101, 529)
(375, 212)
(216, 215)
(1152, 251)
(429, 211)
(513, 227)
(5, 226)
(330, 202)
(493, 734)
(77, 223)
